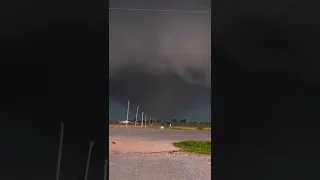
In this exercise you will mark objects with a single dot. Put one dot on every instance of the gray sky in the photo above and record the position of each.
(161, 60)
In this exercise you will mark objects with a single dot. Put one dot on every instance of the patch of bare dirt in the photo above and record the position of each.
(144, 145)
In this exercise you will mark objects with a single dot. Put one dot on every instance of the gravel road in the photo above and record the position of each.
(159, 166)
(139, 165)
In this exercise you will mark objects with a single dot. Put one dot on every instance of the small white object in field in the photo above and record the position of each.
(170, 125)
(162, 127)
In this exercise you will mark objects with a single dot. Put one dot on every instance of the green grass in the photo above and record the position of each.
(191, 128)
(190, 124)
(201, 147)
(177, 128)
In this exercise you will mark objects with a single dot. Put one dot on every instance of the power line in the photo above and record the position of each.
(161, 10)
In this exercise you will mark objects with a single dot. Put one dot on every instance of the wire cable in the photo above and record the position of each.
(162, 10)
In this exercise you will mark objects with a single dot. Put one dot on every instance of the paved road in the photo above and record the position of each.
(159, 166)
(156, 134)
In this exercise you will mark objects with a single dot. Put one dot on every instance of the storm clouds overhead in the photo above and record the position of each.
(161, 59)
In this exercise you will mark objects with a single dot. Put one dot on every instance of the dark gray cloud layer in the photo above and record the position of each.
(163, 96)
(161, 60)
(158, 42)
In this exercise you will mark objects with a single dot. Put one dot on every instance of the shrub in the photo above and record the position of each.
(200, 128)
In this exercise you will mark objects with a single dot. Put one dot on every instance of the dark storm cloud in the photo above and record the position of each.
(162, 96)
(161, 60)
(158, 42)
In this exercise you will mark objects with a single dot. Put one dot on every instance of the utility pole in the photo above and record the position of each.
(60, 152)
(127, 114)
(88, 160)
(106, 162)
(145, 121)
(135, 123)
(142, 120)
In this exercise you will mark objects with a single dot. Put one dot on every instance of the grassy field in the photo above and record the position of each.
(178, 124)
(202, 147)
(174, 126)
(191, 128)
(124, 125)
